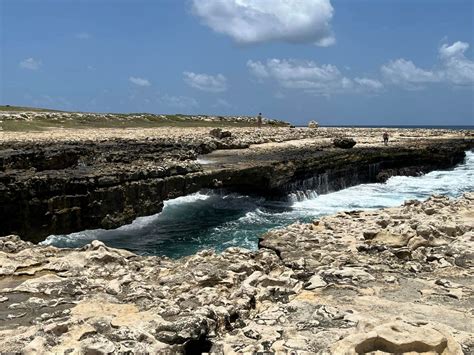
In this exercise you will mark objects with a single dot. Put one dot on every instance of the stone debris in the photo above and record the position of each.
(349, 283)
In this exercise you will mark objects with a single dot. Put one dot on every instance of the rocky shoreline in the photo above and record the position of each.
(64, 181)
(393, 280)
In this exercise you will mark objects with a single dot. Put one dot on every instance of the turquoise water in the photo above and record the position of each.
(211, 220)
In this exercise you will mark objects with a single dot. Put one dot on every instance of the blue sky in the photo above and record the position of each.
(337, 62)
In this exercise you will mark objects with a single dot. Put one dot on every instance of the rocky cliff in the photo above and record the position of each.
(395, 280)
(55, 186)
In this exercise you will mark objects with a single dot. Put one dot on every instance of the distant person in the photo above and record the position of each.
(259, 120)
(385, 138)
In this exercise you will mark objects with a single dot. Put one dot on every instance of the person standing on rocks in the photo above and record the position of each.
(385, 138)
(259, 120)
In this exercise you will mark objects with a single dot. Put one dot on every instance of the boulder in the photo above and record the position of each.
(344, 143)
(313, 124)
(219, 133)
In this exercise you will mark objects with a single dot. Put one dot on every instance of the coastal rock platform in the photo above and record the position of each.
(61, 181)
(396, 280)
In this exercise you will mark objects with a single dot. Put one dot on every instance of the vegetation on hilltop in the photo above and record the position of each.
(15, 118)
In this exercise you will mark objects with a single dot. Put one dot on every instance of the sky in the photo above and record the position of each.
(338, 62)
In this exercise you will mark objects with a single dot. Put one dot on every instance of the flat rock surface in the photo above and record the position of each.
(393, 280)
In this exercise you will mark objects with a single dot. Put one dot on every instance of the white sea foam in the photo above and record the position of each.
(218, 220)
(203, 161)
(394, 192)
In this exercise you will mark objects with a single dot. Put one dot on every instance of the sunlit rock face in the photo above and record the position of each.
(393, 280)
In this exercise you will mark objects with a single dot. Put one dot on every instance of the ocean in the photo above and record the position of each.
(212, 220)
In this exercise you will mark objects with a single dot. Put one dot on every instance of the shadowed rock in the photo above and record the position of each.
(344, 143)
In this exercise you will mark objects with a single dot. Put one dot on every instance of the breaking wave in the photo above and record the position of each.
(218, 221)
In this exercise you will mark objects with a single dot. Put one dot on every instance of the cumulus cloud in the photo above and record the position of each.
(257, 69)
(310, 77)
(255, 21)
(454, 68)
(458, 69)
(206, 82)
(406, 73)
(139, 81)
(369, 84)
(30, 64)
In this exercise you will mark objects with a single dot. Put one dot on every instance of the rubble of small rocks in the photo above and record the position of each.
(397, 280)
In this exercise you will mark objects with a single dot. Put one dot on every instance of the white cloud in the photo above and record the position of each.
(455, 50)
(258, 69)
(457, 68)
(181, 102)
(83, 35)
(30, 63)
(454, 68)
(406, 73)
(139, 81)
(369, 84)
(254, 21)
(206, 82)
(310, 77)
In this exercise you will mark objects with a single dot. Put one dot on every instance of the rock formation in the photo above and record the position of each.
(393, 280)
(220, 134)
(344, 143)
(61, 182)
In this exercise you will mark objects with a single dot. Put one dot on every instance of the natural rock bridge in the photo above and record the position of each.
(67, 186)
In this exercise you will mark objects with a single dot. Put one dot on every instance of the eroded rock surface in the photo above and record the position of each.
(344, 143)
(393, 280)
(64, 181)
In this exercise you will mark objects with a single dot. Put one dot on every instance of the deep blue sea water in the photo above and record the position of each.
(212, 220)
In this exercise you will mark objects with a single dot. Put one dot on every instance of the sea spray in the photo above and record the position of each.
(218, 220)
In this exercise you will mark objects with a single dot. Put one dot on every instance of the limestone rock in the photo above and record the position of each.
(346, 283)
(219, 133)
(345, 143)
(399, 337)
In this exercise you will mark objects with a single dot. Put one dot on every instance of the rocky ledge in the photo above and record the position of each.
(394, 280)
(65, 181)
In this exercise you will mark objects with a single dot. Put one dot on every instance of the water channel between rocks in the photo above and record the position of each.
(217, 220)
